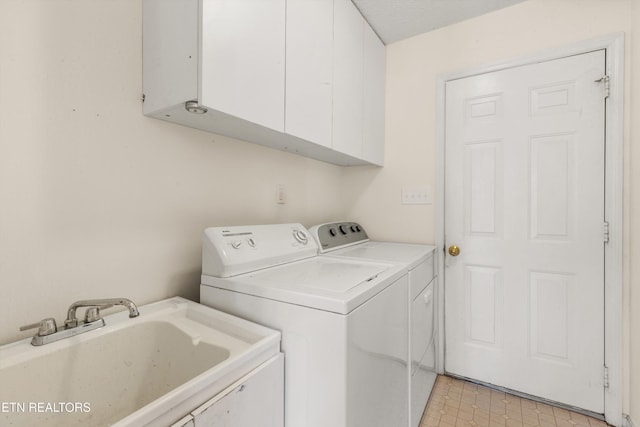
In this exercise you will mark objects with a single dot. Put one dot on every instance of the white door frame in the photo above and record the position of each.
(614, 46)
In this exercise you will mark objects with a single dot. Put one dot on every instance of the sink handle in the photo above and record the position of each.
(93, 313)
(45, 327)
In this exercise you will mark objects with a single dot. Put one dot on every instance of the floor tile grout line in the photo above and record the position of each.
(503, 409)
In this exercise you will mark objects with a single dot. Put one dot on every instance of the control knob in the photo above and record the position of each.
(301, 236)
(343, 229)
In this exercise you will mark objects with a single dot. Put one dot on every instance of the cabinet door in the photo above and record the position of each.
(347, 78)
(309, 92)
(373, 98)
(257, 401)
(243, 59)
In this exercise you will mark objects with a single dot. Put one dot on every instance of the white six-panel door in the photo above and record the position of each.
(524, 202)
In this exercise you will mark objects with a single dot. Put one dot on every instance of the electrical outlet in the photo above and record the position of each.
(281, 196)
(417, 196)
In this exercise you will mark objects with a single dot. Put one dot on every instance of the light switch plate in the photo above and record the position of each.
(417, 196)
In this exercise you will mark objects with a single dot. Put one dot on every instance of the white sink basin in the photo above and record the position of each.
(149, 370)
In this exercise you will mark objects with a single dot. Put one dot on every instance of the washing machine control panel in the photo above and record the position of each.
(228, 251)
(337, 235)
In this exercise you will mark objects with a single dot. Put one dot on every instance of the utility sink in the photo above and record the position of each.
(149, 370)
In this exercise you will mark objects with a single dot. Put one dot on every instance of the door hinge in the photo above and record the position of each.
(606, 377)
(607, 85)
(605, 234)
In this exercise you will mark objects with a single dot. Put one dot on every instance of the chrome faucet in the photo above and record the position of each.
(93, 313)
(49, 332)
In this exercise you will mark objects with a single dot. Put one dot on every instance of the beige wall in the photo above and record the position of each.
(97, 200)
(413, 66)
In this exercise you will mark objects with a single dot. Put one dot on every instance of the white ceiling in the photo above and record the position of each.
(395, 20)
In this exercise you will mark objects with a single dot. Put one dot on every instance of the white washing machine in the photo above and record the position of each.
(344, 322)
(348, 240)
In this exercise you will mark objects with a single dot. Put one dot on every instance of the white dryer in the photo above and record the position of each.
(344, 322)
(349, 240)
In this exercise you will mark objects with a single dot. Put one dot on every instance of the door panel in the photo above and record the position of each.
(524, 201)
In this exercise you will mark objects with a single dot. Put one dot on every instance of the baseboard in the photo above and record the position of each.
(627, 421)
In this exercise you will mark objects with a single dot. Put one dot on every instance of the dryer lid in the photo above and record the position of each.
(407, 253)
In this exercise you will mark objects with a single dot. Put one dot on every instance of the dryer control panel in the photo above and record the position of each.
(338, 235)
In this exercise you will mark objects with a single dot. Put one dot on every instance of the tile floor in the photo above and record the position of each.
(457, 403)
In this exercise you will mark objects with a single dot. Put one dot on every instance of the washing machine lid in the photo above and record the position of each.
(332, 284)
(408, 254)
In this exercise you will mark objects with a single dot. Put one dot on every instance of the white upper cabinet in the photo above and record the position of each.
(304, 76)
(242, 63)
(373, 98)
(309, 84)
(170, 54)
(348, 32)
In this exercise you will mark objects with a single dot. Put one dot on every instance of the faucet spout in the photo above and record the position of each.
(72, 320)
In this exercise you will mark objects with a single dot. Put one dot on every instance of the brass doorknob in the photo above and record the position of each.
(454, 250)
